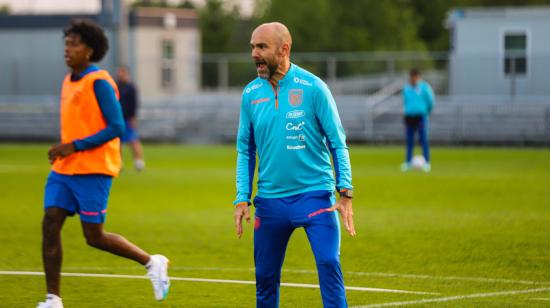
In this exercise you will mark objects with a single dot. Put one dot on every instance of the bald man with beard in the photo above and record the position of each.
(289, 119)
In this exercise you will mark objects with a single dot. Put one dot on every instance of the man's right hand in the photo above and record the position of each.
(241, 210)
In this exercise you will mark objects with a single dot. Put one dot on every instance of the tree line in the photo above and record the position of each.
(334, 25)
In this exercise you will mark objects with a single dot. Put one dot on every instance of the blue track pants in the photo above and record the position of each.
(275, 220)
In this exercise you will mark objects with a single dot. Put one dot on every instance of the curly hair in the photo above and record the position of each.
(90, 34)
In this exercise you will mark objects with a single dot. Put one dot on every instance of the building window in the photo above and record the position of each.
(167, 65)
(166, 77)
(515, 53)
(167, 50)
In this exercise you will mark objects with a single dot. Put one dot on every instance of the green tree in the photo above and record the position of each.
(346, 25)
(217, 26)
(4, 9)
(186, 5)
(308, 21)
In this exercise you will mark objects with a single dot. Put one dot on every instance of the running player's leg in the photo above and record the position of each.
(113, 243)
(137, 151)
(52, 252)
(92, 194)
(272, 230)
(59, 202)
(323, 232)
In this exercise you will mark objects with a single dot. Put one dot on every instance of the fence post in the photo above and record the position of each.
(369, 122)
(460, 125)
(332, 66)
(15, 78)
(223, 74)
(390, 66)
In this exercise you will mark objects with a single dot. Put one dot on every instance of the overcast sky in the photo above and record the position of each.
(80, 6)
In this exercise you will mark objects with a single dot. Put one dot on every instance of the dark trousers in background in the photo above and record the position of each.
(275, 220)
(416, 125)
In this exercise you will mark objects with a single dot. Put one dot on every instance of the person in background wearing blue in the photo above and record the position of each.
(129, 103)
(289, 118)
(418, 101)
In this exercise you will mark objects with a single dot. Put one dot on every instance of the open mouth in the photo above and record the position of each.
(260, 65)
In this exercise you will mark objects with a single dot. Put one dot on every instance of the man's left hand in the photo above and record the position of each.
(60, 150)
(344, 206)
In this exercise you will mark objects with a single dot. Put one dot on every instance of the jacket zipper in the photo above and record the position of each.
(276, 90)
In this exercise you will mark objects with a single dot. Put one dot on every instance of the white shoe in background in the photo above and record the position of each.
(139, 164)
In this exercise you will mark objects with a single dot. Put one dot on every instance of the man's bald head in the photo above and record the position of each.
(270, 45)
(276, 31)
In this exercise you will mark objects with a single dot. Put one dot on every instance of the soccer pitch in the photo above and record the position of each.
(473, 232)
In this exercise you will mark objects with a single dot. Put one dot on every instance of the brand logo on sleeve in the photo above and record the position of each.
(253, 87)
(261, 100)
(295, 114)
(302, 82)
(295, 97)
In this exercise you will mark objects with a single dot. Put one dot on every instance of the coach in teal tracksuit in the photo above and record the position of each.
(418, 102)
(289, 118)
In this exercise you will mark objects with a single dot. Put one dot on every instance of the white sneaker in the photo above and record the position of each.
(427, 167)
(139, 164)
(405, 167)
(51, 301)
(157, 271)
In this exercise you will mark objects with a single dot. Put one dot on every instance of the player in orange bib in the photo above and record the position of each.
(86, 161)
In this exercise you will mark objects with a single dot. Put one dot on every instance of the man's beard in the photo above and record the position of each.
(271, 70)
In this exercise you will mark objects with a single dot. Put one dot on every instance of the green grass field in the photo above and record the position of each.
(477, 227)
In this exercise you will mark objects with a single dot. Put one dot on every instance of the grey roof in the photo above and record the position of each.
(43, 21)
(525, 12)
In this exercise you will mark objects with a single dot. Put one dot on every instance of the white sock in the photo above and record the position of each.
(53, 297)
(148, 265)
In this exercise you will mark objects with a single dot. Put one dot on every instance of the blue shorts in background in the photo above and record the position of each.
(85, 194)
(130, 133)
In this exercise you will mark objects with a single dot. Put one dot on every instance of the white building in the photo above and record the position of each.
(500, 51)
(161, 46)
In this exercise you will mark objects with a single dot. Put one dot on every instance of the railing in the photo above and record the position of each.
(330, 66)
(214, 118)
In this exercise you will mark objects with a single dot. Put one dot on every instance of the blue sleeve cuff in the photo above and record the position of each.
(78, 145)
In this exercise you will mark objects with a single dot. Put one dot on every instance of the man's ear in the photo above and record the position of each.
(286, 49)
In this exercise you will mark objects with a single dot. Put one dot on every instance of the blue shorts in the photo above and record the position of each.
(85, 194)
(130, 133)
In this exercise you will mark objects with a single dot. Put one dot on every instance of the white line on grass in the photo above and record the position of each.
(285, 284)
(454, 298)
(307, 271)
(375, 274)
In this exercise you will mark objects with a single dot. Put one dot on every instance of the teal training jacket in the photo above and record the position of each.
(294, 127)
(418, 100)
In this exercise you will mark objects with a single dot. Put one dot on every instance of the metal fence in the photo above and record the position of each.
(345, 72)
(213, 117)
(357, 73)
